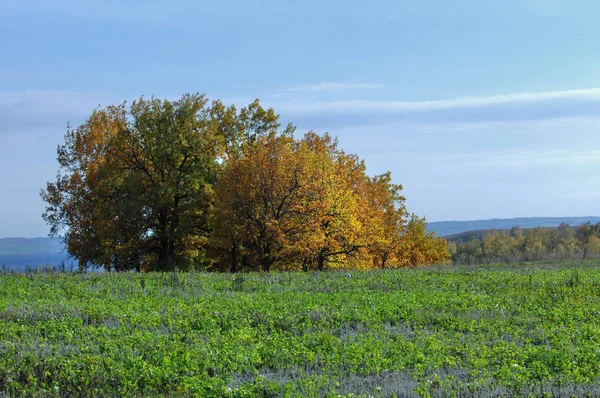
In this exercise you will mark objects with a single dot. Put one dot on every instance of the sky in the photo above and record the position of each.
(480, 109)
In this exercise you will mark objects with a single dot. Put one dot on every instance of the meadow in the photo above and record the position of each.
(444, 331)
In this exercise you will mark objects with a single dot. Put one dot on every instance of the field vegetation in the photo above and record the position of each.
(498, 330)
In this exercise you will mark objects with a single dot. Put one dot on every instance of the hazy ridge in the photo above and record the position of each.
(445, 228)
(17, 253)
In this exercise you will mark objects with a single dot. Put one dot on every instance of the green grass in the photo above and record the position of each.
(523, 329)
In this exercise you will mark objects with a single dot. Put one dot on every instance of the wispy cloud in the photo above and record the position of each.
(526, 159)
(525, 106)
(592, 122)
(459, 102)
(511, 159)
(334, 86)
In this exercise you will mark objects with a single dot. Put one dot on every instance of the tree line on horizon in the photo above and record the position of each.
(531, 244)
(163, 185)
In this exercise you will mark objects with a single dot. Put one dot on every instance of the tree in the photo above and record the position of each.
(419, 247)
(388, 219)
(583, 233)
(135, 185)
(340, 201)
(593, 247)
(78, 203)
(472, 250)
(265, 208)
(565, 245)
(298, 203)
(497, 246)
(534, 246)
(305, 204)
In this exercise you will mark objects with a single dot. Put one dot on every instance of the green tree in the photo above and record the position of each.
(583, 233)
(496, 246)
(593, 247)
(534, 245)
(472, 250)
(566, 244)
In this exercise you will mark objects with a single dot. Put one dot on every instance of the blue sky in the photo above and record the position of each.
(480, 109)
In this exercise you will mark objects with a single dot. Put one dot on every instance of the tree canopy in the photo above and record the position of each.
(184, 184)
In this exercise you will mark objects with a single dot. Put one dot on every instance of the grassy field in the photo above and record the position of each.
(523, 329)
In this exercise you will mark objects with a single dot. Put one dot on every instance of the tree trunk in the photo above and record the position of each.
(306, 264)
(164, 248)
(117, 263)
(233, 266)
(163, 255)
(266, 259)
(266, 264)
(171, 250)
(384, 259)
(320, 261)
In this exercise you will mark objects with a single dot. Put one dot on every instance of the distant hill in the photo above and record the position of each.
(445, 228)
(17, 253)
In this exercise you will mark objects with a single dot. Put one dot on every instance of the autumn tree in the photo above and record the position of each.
(79, 202)
(341, 202)
(265, 209)
(388, 218)
(419, 247)
(135, 184)
(306, 204)
(291, 202)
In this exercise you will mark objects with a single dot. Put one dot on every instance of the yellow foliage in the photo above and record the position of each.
(305, 204)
